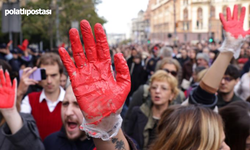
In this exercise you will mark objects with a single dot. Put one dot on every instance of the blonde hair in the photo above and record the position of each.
(189, 128)
(161, 63)
(161, 75)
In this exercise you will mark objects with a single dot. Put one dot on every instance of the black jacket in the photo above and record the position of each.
(59, 141)
(27, 138)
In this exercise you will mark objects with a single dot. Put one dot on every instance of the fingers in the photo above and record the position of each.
(77, 49)
(14, 85)
(68, 63)
(123, 75)
(242, 15)
(89, 42)
(222, 19)
(235, 13)
(248, 32)
(2, 78)
(101, 43)
(7, 78)
(28, 71)
(31, 82)
(229, 17)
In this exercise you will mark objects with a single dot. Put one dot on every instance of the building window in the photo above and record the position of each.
(185, 26)
(224, 10)
(212, 12)
(185, 2)
(185, 14)
(199, 23)
(199, 13)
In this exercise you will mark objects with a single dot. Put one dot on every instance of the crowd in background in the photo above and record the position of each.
(182, 65)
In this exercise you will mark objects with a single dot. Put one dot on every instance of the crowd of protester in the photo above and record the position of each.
(157, 114)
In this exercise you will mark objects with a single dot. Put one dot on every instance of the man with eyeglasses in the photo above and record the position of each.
(226, 93)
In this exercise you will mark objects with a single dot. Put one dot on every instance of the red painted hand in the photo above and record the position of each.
(24, 45)
(7, 91)
(234, 25)
(97, 92)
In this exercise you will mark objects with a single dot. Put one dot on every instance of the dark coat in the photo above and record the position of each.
(141, 125)
(246, 67)
(27, 138)
(151, 65)
(138, 77)
(59, 141)
(187, 70)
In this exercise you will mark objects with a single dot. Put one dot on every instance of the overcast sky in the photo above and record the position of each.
(119, 13)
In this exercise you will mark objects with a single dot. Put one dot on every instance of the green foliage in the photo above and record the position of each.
(38, 28)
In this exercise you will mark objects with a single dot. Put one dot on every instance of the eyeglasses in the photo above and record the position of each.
(227, 79)
(173, 73)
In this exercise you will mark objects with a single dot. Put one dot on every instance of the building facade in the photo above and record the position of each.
(193, 20)
(138, 29)
(114, 39)
(164, 16)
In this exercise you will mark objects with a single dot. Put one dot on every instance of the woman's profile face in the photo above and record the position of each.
(161, 92)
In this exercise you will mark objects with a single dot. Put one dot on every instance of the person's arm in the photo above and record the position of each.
(234, 37)
(25, 82)
(19, 130)
(99, 94)
(118, 142)
(211, 80)
(8, 105)
(27, 137)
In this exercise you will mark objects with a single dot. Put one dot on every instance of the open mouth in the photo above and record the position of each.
(157, 97)
(72, 125)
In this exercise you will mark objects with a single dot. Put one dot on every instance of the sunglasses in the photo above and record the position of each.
(228, 79)
(173, 73)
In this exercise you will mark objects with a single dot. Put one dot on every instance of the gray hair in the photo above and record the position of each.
(165, 52)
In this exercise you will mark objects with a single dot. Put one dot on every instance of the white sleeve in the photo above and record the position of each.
(25, 105)
(237, 88)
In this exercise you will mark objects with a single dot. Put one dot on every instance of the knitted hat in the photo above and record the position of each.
(203, 56)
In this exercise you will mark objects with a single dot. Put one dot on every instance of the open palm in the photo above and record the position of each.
(97, 91)
(234, 25)
(7, 91)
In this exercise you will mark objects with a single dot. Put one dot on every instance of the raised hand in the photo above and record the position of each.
(24, 45)
(7, 91)
(234, 25)
(234, 32)
(25, 82)
(98, 93)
